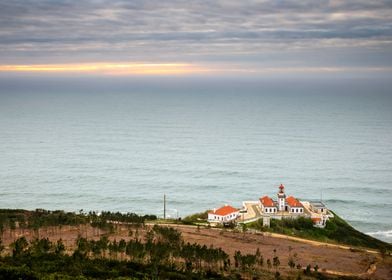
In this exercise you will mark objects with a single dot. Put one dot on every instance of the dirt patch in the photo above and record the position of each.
(335, 260)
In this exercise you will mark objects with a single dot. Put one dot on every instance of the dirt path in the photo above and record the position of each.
(317, 243)
(334, 259)
(287, 237)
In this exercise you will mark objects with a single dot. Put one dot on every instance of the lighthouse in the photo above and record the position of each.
(281, 198)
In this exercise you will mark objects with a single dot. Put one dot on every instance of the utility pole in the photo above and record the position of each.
(164, 206)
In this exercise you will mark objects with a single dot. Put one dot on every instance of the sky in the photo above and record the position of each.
(211, 38)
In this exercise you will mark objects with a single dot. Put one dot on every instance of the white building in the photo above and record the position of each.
(320, 221)
(293, 205)
(224, 214)
(318, 207)
(267, 205)
(319, 213)
(288, 206)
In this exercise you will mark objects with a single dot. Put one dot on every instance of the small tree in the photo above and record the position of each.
(307, 269)
(244, 228)
(122, 245)
(269, 264)
(258, 254)
(59, 248)
(1, 246)
(291, 263)
(259, 258)
(237, 259)
(41, 246)
(19, 246)
(276, 262)
(103, 244)
(83, 247)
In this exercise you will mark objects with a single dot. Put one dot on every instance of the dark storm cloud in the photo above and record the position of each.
(71, 31)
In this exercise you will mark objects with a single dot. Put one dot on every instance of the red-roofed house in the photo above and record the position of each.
(320, 221)
(267, 205)
(224, 214)
(294, 206)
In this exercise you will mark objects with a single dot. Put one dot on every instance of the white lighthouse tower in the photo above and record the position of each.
(281, 199)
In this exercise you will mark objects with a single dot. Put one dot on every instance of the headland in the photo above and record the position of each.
(37, 244)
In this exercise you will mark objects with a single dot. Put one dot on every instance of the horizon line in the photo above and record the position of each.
(176, 68)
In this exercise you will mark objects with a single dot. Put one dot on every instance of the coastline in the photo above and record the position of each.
(332, 259)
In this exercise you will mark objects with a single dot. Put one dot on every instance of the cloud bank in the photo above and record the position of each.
(248, 34)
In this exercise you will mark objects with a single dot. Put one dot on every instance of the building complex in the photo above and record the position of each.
(267, 208)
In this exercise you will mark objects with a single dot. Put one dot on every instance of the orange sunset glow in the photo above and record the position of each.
(109, 68)
(139, 68)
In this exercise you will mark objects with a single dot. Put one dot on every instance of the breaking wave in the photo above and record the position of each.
(381, 233)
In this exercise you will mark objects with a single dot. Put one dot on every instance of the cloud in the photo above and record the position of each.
(203, 31)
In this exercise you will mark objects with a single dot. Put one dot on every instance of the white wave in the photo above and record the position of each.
(386, 233)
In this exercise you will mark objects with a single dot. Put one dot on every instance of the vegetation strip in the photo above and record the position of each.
(160, 253)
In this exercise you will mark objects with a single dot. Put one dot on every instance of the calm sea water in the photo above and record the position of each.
(123, 151)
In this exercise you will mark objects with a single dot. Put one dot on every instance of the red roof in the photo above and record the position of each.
(293, 202)
(315, 220)
(267, 201)
(225, 210)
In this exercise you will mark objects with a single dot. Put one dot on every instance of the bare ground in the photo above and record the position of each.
(333, 259)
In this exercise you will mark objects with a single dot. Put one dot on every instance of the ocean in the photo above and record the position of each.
(202, 146)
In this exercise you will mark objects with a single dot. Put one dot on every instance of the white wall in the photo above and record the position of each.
(269, 210)
(217, 218)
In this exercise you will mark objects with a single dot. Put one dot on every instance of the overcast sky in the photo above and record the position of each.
(241, 37)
